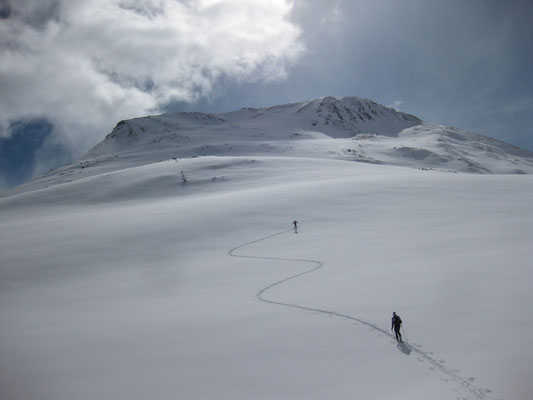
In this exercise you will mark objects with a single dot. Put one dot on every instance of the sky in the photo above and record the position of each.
(71, 69)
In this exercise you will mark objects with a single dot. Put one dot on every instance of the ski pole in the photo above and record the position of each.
(405, 334)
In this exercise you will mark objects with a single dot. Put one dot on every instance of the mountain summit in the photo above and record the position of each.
(335, 117)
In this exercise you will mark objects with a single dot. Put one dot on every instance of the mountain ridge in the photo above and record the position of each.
(265, 130)
(343, 128)
(336, 116)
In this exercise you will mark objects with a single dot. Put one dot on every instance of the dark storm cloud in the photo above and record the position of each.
(149, 10)
(35, 14)
(5, 9)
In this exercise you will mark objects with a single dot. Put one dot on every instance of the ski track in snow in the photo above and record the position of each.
(451, 374)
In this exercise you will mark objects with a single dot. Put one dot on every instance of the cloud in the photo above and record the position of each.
(396, 104)
(85, 64)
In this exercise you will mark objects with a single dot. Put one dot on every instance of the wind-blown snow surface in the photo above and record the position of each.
(122, 284)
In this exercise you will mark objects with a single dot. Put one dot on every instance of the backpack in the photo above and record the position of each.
(396, 320)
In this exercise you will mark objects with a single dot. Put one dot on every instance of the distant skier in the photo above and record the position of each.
(295, 223)
(396, 325)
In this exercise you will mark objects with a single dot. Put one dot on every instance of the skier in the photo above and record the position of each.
(396, 325)
(295, 223)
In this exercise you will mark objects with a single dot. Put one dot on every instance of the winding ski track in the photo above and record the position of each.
(466, 384)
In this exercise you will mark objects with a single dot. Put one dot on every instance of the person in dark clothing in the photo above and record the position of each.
(295, 223)
(396, 325)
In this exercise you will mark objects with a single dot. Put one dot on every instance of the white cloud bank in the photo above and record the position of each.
(85, 64)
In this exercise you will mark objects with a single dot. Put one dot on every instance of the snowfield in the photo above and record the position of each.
(149, 277)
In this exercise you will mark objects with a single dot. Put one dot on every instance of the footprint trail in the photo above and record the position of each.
(466, 384)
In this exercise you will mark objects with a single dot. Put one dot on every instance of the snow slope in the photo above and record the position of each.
(122, 280)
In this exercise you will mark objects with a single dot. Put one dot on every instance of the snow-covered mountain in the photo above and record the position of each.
(342, 128)
(347, 128)
(250, 129)
(335, 117)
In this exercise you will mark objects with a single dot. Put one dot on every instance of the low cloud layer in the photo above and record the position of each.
(85, 64)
